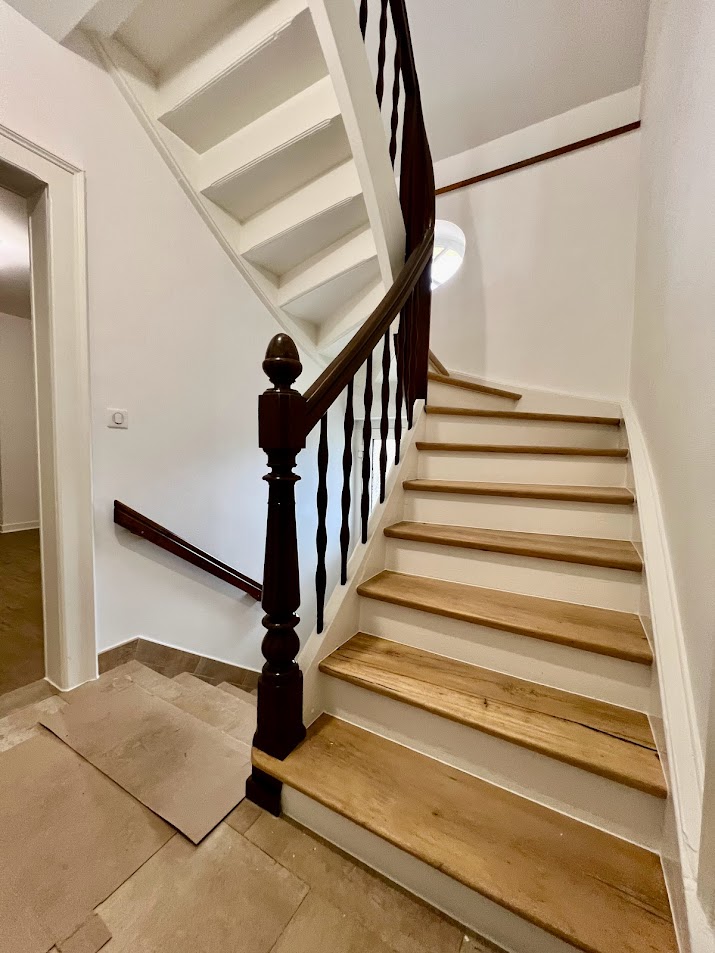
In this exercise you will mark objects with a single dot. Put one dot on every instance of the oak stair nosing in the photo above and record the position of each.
(598, 737)
(535, 449)
(592, 889)
(473, 386)
(523, 415)
(583, 550)
(608, 632)
(615, 495)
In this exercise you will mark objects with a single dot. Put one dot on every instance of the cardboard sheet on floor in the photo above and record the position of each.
(90, 938)
(184, 770)
(69, 838)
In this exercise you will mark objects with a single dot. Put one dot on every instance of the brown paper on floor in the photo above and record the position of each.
(90, 938)
(185, 771)
(69, 837)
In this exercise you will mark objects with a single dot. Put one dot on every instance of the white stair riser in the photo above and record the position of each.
(549, 578)
(601, 520)
(489, 430)
(447, 395)
(573, 670)
(578, 793)
(509, 931)
(521, 468)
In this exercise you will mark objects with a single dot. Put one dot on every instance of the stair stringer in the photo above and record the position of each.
(342, 611)
(672, 712)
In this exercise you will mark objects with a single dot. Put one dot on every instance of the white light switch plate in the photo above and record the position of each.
(117, 419)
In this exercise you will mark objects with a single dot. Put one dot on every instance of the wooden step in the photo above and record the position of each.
(612, 742)
(523, 415)
(473, 386)
(527, 491)
(588, 551)
(444, 447)
(604, 631)
(591, 889)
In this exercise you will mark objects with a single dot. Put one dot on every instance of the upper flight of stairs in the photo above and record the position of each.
(277, 142)
(487, 724)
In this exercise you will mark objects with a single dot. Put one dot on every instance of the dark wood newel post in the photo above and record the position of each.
(282, 433)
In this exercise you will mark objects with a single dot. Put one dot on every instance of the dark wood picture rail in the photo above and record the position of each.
(542, 157)
(399, 324)
(140, 525)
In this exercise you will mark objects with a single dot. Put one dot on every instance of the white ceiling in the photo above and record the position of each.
(14, 255)
(490, 67)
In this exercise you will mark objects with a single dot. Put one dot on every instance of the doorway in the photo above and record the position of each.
(22, 654)
(54, 191)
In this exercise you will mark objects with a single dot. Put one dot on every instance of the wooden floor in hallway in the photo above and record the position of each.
(21, 633)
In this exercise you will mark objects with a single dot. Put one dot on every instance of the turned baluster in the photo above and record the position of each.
(282, 433)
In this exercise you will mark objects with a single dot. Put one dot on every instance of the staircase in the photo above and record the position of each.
(484, 737)
(265, 111)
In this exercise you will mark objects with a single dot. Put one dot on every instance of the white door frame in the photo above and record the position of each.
(56, 202)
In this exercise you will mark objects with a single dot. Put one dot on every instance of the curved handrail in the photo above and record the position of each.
(326, 388)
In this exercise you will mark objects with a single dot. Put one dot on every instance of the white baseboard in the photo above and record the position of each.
(683, 756)
(18, 527)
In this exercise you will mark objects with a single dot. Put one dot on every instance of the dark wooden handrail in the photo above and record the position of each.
(160, 536)
(325, 390)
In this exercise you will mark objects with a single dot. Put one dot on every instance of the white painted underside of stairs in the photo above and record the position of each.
(276, 141)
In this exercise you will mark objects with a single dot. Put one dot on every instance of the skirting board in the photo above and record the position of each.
(169, 661)
(684, 755)
(18, 527)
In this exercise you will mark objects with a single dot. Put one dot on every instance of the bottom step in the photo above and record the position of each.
(593, 890)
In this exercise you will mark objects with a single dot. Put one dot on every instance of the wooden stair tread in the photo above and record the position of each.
(605, 631)
(612, 742)
(586, 550)
(473, 386)
(533, 491)
(523, 415)
(600, 893)
(446, 447)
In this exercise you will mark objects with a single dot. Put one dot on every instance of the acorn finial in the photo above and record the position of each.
(282, 362)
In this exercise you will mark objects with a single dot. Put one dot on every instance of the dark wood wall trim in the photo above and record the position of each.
(160, 536)
(542, 157)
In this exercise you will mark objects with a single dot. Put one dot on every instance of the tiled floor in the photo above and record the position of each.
(256, 884)
(21, 638)
(260, 884)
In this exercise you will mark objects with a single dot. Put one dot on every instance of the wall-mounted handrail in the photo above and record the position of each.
(160, 536)
(398, 331)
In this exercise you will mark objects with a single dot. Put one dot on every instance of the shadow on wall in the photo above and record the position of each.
(458, 333)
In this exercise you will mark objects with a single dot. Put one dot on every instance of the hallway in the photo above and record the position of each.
(21, 630)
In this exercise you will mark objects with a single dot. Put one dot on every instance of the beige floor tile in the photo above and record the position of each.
(91, 937)
(320, 926)
(23, 723)
(225, 896)
(242, 817)
(250, 697)
(69, 835)
(218, 708)
(27, 695)
(402, 922)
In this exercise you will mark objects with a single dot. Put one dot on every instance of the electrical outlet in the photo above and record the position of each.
(118, 419)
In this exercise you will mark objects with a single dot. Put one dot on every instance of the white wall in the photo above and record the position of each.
(19, 495)
(673, 381)
(545, 296)
(176, 338)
